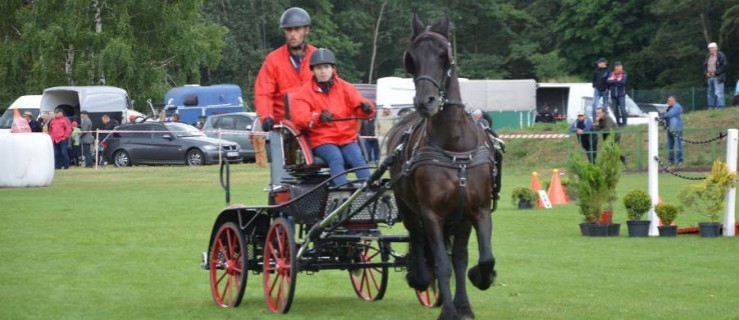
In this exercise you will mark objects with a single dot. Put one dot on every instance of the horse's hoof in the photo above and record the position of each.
(465, 312)
(480, 280)
(448, 314)
(416, 283)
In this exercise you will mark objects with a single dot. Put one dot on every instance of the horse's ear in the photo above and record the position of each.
(442, 25)
(418, 26)
(408, 63)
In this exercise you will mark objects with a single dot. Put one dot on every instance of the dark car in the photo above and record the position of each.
(165, 143)
(234, 126)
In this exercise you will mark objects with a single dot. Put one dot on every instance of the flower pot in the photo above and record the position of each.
(523, 204)
(709, 229)
(614, 229)
(598, 230)
(606, 217)
(585, 229)
(667, 231)
(638, 228)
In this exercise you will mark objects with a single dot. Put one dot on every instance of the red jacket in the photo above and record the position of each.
(278, 77)
(61, 129)
(342, 100)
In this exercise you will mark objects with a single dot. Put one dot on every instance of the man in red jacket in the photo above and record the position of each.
(60, 129)
(283, 72)
(327, 108)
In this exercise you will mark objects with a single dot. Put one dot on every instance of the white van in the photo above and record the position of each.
(96, 100)
(571, 98)
(30, 103)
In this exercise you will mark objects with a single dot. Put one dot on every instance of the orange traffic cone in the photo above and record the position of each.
(536, 186)
(557, 194)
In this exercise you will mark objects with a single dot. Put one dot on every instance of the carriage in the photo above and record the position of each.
(309, 225)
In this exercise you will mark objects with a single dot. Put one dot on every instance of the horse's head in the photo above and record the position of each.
(431, 61)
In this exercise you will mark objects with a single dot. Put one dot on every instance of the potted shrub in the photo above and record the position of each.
(708, 197)
(569, 188)
(609, 164)
(667, 213)
(523, 197)
(590, 183)
(637, 203)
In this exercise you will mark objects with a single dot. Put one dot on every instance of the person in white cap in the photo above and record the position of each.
(714, 68)
(479, 120)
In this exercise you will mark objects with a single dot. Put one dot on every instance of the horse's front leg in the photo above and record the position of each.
(419, 275)
(443, 269)
(459, 261)
(483, 274)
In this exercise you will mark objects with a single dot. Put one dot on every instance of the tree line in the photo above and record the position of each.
(149, 46)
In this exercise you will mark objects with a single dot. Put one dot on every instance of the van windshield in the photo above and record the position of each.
(6, 120)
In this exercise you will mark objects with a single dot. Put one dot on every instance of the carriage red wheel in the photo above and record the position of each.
(370, 283)
(429, 297)
(280, 267)
(228, 266)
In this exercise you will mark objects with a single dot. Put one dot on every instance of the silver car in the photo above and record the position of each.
(234, 127)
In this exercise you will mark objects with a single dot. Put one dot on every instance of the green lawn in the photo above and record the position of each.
(126, 243)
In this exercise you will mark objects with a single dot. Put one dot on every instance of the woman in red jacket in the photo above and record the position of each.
(322, 109)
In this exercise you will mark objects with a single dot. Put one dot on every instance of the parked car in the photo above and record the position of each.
(165, 143)
(236, 127)
(30, 103)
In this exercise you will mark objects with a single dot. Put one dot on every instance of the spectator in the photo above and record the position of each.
(605, 124)
(109, 123)
(714, 68)
(320, 101)
(176, 117)
(86, 138)
(46, 121)
(258, 141)
(371, 144)
(479, 120)
(75, 150)
(735, 102)
(544, 115)
(60, 129)
(674, 125)
(583, 126)
(600, 84)
(617, 86)
(35, 125)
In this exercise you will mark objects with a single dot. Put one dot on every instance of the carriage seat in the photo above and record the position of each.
(298, 152)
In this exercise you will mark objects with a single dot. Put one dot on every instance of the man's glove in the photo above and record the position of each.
(366, 107)
(326, 116)
(268, 124)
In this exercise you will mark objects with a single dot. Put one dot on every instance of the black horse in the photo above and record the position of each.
(443, 174)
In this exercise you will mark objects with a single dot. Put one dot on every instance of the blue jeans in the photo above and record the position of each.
(337, 157)
(87, 153)
(61, 154)
(597, 97)
(619, 110)
(715, 94)
(675, 147)
(373, 149)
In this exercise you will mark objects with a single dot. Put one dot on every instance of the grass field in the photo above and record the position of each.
(126, 243)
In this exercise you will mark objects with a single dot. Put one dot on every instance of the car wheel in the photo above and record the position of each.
(121, 159)
(194, 157)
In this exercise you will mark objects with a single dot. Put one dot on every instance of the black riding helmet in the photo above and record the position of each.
(322, 56)
(294, 17)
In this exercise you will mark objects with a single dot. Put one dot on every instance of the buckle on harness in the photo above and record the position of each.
(463, 182)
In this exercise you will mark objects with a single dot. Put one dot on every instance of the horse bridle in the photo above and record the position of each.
(440, 86)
